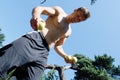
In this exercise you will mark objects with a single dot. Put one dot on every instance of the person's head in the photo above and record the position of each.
(80, 14)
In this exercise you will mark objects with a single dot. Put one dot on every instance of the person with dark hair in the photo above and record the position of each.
(28, 54)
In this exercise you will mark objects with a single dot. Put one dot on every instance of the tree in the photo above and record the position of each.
(1, 38)
(87, 70)
(104, 62)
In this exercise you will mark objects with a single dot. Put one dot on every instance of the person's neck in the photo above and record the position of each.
(67, 20)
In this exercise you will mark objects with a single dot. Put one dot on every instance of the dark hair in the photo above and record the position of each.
(85, 12)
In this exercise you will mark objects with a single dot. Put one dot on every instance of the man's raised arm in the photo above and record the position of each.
(37, 11)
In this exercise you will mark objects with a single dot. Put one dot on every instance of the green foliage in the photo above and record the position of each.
(1, 38)
(116, 70)
(87, 70)
(83, 61)
(9, 75)
(43, 1)
(49, 76)
(104, 62)
(94, 74)
(93, 1)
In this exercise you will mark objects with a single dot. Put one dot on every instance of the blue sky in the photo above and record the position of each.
(98, 35)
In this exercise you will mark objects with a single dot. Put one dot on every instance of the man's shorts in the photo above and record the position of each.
(28, 55)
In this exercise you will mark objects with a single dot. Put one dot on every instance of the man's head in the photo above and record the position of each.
(78, 15)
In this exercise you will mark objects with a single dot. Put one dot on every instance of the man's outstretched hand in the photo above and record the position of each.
(37, 24)
(70, 59)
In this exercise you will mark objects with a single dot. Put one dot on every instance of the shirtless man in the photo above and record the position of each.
(28, 54)
(57, 28)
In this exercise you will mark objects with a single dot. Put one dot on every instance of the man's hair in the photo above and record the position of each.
(85, 12)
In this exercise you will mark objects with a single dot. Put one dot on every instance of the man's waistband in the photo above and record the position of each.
(41, 36)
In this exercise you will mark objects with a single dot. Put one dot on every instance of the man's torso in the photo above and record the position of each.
(56, 27)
